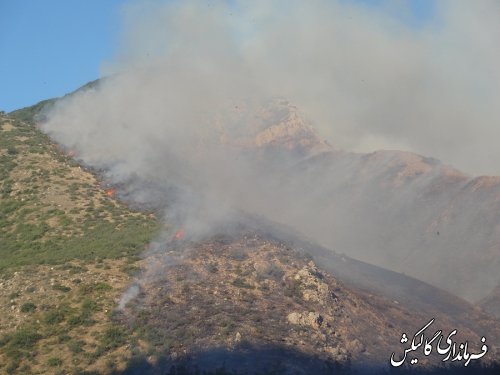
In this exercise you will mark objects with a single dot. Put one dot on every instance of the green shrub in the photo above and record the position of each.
(294, 289)
(63, 338)
(24, 338)
(102, 287)
(28, 307)
(113, 338)
(76, 346)
(12, 151)
(61, 288)
(52, 317)
(54, 362)
(89, 306)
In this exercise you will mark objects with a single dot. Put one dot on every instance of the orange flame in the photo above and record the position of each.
(71, 153)
(110, 193)
(179, 234)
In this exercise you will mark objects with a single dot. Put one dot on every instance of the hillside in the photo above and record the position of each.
(66, 251)
(401, 211)
(491, 303)
(414, 214)
(242, 293)
(247, 301)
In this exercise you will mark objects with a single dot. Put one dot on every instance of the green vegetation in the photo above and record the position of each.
(24, 338)
(38, 231)
(88, 308)
(59, 228)
(53, 317)
(113, 337)
(25, 246)
(29, 114)
(76, 346)
(34, 112)
(61, 288)
(28, 307)
(54, 362)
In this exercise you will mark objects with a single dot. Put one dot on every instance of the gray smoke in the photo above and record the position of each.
(192, 78)
(365, 78)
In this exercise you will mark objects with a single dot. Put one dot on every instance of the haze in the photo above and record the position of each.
(363, 78)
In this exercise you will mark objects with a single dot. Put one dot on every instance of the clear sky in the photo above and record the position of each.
(51, 47)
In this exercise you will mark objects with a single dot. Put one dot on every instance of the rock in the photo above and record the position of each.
(306, 319)
(294, 318)
(315, 289)
(237, 338)
(355, 346)
(337, 353)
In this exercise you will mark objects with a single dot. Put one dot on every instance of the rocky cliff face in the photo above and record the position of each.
(276, 125)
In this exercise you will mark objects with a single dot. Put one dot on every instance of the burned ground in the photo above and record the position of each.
(252, 293)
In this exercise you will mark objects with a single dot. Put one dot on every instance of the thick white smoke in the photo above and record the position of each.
(366, 76)
(192, 81)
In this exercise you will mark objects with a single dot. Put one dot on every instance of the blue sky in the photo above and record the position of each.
(52, 47)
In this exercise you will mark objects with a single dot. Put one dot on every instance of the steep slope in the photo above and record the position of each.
(395, 209)
(407, 213)
(49, 204)
(491, 303)
(66, 251)
(251, 302)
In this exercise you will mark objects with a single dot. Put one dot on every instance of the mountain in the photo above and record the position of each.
(414, 214)
(247, 301)
(395, 209)
(323, 293)
(491, 303)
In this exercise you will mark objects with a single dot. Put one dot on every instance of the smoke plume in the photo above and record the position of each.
(193, 81)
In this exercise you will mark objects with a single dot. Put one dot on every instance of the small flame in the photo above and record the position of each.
(71, 153)
(110, 193)
(179, 235)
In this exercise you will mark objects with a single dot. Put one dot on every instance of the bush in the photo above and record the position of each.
(61, 288)
(238, 254)
(28, 307)
(53, 317)
(113, 338)
(76, 346)
(54, 362)
(102, 287)
(24, 338)
(89, 306)
(12, 151)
